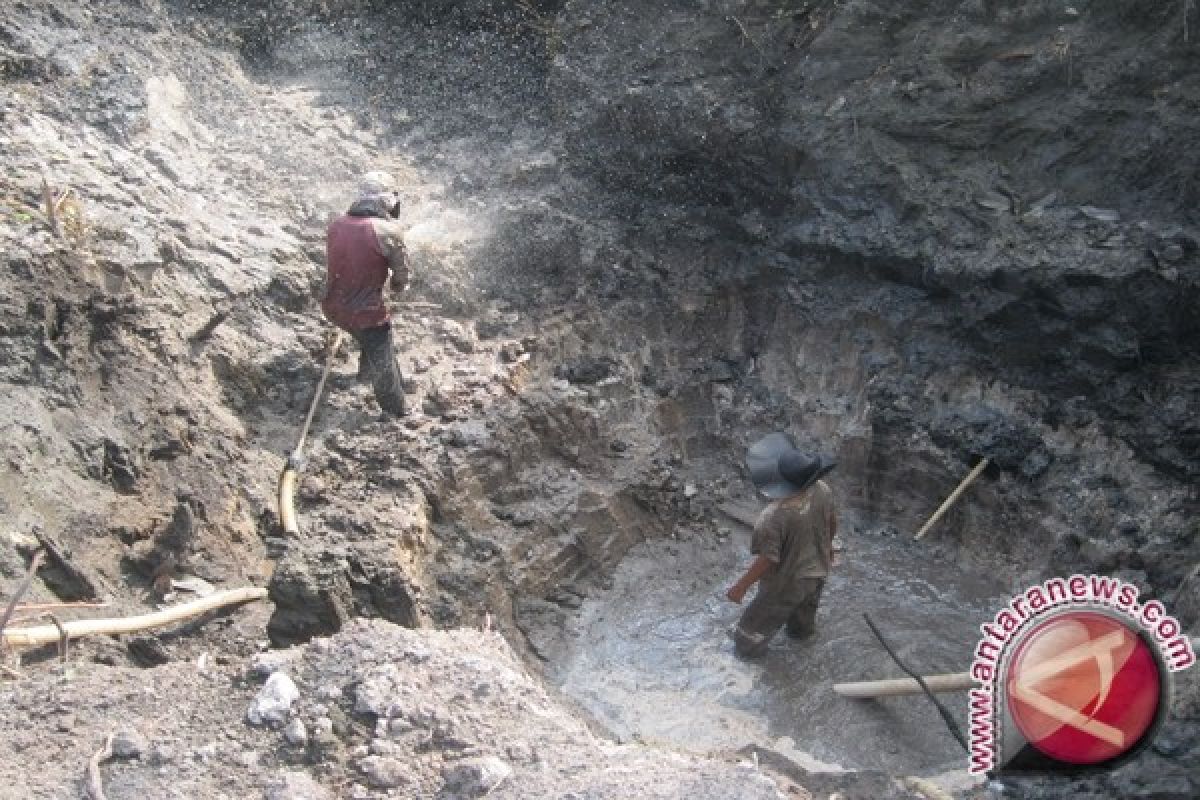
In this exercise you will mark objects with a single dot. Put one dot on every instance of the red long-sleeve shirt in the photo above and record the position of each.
(360, 251)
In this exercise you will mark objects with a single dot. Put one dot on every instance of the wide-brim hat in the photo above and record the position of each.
(779, 469)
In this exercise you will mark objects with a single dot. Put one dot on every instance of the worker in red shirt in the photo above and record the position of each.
(364, 249)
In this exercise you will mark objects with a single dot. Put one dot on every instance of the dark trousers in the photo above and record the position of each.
(377, 364)
(768, 612)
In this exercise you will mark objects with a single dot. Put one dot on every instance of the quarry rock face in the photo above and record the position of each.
(643, 235)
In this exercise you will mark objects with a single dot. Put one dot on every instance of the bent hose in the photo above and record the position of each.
(287, 499)
(286, 490)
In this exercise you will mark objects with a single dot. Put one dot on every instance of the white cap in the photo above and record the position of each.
(377, 193)
(376, 183)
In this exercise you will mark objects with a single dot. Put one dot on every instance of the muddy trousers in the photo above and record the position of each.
(768, 612)
(377, 364)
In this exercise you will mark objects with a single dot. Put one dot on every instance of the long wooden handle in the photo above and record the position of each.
(962, 487)
(45, 634)
(316, 401)
(898, 687)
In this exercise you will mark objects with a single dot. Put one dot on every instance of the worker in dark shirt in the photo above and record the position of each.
(792, 542)
(364, 250)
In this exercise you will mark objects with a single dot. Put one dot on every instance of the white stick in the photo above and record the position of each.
(898, 687)
(44, 634)
(962, 487)
(95, 788)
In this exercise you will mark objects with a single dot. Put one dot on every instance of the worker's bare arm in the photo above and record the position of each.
(761, 566)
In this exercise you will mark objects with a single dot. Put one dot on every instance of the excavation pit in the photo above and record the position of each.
(652, 657)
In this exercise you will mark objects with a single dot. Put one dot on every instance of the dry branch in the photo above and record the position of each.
(207, 329)
(31, 607)
(44, 634)
(95, 788)
(34, 563)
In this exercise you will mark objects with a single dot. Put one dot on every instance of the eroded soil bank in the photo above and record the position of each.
(644, 234)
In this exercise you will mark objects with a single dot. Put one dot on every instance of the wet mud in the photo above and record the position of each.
(652, 658)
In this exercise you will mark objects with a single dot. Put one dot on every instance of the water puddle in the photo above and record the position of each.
(652, 657)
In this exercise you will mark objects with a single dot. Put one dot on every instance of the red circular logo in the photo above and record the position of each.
(1083, 687)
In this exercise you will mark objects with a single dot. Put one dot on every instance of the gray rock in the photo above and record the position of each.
(296, 786)
(263, 665)
(1101, 214)
(458, 335)
(274, 701)
(122, 466)
(161, 754)
(385, 772)
(1172, 252)
(311, 598)
(129, 743)
(378, 689)
(474, 777)
(295, 733)
(382, 747)
(329, 691)
(586, 371)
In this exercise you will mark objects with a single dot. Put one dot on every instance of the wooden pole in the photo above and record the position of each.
(95, 787)
(316, 401)
(962, 487)
(44, 634)
(899, 687)
(286, 495)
